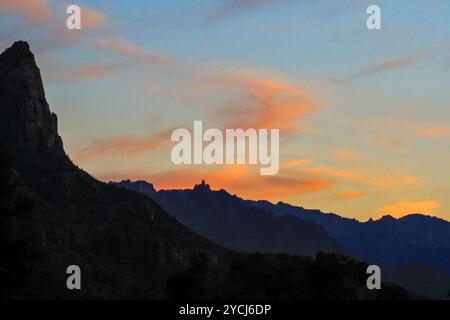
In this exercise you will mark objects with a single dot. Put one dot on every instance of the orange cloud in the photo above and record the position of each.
(403, 208)
(346, 154)
(346, 195)
(35, 10)
(241, 98)
(263, 102)
(294, 163)
(236, 179)
(433, 132)
(123, 146)
(240, 180)
(352, 175)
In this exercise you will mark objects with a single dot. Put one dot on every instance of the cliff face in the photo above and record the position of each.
(28, 129)
(57, 215)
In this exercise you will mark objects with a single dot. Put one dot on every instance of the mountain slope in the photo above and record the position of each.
(411, 239)
(233, 223)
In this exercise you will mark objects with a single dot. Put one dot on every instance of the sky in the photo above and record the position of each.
(364, 115)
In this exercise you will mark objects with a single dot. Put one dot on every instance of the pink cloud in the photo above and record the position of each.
(87, 72)
(264, 102)
(123, 147)
(130, 49)
(34, 10)
(91, 18)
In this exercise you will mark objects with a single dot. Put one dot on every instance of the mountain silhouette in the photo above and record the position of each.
(414, 238)
(405, 248)
(237, 225)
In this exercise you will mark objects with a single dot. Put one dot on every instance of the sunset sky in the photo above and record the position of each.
(364, 116)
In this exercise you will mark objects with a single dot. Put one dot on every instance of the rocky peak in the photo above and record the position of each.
(28, 130)
(141, 186)
(202, 186)
(19, 50)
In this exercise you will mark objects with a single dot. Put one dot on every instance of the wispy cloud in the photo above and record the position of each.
(265, 102)
(346, 154)
(433, 132)
(348, 195)
(241, 98)
(92, 19)
(364, 178)
(35, 10)
(123, 147)
(37, 22)
(230, 8)
(294, 163)
(392, 64)
(129, 49)
(130, 55)
(86, 72)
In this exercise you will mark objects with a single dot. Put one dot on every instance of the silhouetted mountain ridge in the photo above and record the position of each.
(406, 247)
(237, 225)
(412, 238)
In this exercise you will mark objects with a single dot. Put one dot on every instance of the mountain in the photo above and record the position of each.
(58, 215)
(250, 226)
(236, 224)
(412, 239)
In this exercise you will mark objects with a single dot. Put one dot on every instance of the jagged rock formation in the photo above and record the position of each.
(28, 129)
(140, 186)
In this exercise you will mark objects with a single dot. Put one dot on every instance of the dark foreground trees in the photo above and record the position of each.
(280, 277)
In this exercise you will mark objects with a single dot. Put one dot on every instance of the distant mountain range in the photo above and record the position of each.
(414, 238)
(414, 250)
(237, 224)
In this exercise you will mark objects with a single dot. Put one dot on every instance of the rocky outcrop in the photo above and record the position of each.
(140, 186)
(28, 129)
